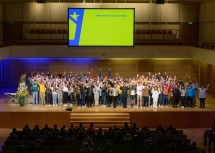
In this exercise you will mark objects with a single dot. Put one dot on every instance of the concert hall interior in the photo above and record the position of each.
(173, 48)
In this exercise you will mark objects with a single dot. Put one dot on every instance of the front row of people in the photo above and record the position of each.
(140, 96)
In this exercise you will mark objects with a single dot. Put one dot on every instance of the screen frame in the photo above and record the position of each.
(103, 45)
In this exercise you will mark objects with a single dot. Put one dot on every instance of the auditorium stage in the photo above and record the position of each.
(12, 115)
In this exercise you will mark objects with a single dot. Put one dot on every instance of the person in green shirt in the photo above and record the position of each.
(35, 90)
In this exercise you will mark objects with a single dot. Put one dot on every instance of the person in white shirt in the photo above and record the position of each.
(54, 95)
(65, 93)
(202, 96)
(139, 94)
(155, 95)
(96, 92)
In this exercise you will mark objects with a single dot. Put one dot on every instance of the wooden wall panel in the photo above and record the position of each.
(13, 68)
(207, 75)
(177, 119)
(153, 119)
(19, 119)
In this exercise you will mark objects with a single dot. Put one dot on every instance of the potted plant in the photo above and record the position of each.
(22, 97)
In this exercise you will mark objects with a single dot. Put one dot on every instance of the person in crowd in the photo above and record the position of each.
(78, 96)
(202, 95)
(132, 94)
(165, 92)
(42, 90)
(194, 86)
(89, 95)
(139, 94)
(60, 93)
(35, 90)
(119, 93)
(83, 95)
(190, 96)
(155, 95)
(65, 93)
(104, 94)
(71, 94)
(176, 96)
(48, 93)
(183, 95)
(54, 94)
(170, 92)
(124, 89)
(109, 95)
(115, 95)
(96, 92)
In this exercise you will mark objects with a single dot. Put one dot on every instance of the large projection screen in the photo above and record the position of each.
(101, 26)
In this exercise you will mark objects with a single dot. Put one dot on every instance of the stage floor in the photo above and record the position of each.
(6, 106)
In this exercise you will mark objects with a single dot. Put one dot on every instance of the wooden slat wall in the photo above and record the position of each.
(153, 119)
(13, 68)
(207, 75)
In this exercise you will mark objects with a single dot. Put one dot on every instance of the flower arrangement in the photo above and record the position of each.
(22, 97)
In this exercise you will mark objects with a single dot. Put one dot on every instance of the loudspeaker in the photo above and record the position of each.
(69, 109)
(41, 1)
(160, 1)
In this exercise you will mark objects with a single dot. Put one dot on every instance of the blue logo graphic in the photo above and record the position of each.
(75, 23)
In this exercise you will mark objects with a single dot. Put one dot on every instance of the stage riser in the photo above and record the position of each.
(103, 120)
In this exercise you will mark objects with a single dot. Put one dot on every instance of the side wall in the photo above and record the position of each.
(207, 75)
(207, 22)
(1, 24)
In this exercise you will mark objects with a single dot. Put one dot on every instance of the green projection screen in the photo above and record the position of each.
(101, 26)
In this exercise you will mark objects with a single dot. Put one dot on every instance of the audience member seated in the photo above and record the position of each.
(55, 130)
(90, 131)
(36, 130)
(160, 128)
(26, 129)
(171, 129)
(81, 131)
(72, 130)
(46, 129)
(145, 128)
(134, 128)
(63, 130)
(126, 129)
(100, 133)
(115, 140)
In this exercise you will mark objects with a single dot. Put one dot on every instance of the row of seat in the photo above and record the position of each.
(156, 43)
(37, 43)
(137, 31)
(210, 46)
(64, 42)
(48, 31)
(154, 31)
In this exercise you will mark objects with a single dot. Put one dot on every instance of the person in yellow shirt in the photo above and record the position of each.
(42, 90)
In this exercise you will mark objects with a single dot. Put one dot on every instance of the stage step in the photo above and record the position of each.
(103, 120)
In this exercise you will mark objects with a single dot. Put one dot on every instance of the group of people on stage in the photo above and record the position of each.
(83, 90)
